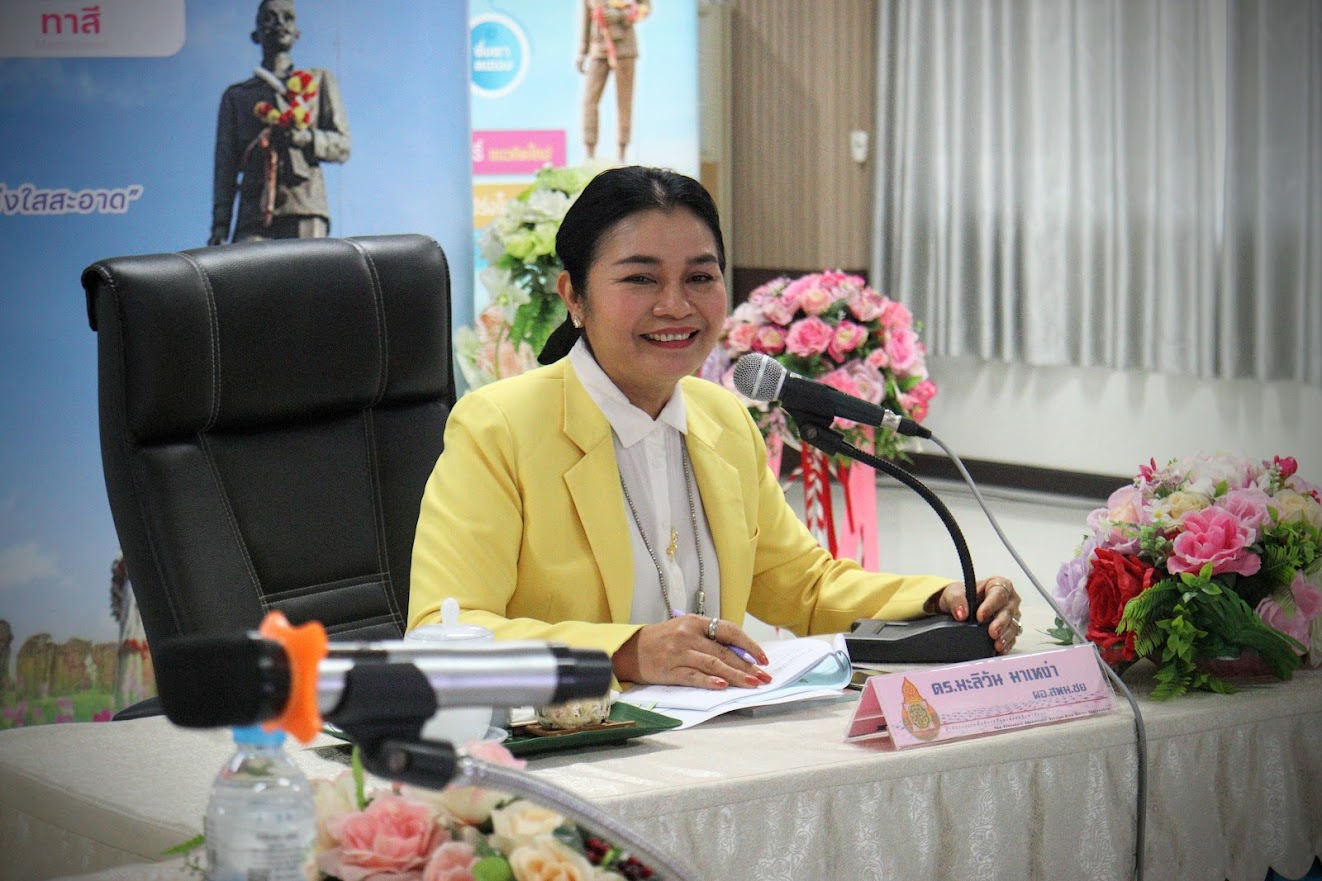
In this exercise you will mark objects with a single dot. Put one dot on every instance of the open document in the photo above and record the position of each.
(801, 669)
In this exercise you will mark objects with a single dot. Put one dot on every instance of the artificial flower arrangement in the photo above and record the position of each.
(519, 247)
(834, 328)
(459, 833)
(1207, 559)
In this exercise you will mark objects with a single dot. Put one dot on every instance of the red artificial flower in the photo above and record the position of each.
(266, 112)
(1113, 581)
(1287, 466)
(299, 82)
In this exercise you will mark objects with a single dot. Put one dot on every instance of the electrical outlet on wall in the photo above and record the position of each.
(858, 145)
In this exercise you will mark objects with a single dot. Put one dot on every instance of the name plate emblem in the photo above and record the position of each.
(982, 697)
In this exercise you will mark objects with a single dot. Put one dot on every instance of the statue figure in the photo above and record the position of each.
(609, 44)
(272, 134)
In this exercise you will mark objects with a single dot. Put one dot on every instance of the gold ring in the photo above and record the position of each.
(711, 628)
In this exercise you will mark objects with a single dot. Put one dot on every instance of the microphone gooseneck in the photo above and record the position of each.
(814, 405)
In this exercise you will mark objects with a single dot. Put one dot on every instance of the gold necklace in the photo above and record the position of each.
(700, 600)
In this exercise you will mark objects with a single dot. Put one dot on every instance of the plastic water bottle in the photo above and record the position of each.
(261, 824)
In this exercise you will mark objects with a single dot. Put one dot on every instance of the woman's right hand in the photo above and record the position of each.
(680, 652)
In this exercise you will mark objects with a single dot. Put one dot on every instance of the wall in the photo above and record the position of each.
(1109, 422)
(803, 76)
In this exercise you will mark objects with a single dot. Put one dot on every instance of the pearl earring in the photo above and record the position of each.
(578, 322)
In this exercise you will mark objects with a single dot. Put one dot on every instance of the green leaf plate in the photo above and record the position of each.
(645, 722)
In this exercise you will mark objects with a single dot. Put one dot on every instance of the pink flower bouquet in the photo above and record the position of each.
(1206, 559)
(834, 328)
(460, 833)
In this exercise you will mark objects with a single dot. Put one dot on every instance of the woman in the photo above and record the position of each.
(611, 500)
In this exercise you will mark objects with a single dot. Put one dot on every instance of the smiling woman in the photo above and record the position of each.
(657, 303)
(612, 500)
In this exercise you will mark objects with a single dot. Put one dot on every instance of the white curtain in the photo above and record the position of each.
(1105, 182)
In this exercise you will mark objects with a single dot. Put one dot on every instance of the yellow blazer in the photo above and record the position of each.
(523, 521)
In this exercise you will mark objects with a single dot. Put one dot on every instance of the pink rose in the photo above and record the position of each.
(452, 861)
(1287, 466)
(809, 337)
(879, 359)
(841, 380)
(332, 799)
(865, 304)
(740, 337)
(747, 312)
(867, 380)
(1213, 535)
(766, 293)
(902, 347)
(1308, 606)
(392, 838)
(1249, 505)
(815, 301)
(896, 316)
(780, 311)
(1307, 597)
(848, 337)
(924, 391)
(916, 409)
(493, 753)
(769, 339)
(1125, 505)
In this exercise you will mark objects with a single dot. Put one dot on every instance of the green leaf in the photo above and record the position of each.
(188, 846)
(356, 765)
(492, 868)
(1061, 633)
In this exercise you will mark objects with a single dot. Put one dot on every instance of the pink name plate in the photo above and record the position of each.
(982, 697)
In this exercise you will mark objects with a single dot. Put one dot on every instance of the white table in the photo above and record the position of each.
(1235, 788)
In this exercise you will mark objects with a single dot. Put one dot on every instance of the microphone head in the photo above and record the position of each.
(759, 377)
(216, 681)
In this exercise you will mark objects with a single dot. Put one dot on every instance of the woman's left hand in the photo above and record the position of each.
(998, 603)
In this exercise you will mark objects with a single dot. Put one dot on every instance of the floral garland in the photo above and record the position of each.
(1206, 558)
(299, 87)
(290, 112)
(524, 307)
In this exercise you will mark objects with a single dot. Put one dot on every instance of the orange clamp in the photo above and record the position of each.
(305, 645)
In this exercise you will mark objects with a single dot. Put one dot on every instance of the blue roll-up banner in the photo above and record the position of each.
(109, 110)
(546, 91)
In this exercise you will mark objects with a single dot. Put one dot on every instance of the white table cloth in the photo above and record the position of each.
(1235, 787)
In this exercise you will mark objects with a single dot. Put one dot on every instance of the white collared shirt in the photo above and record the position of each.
(651, 466)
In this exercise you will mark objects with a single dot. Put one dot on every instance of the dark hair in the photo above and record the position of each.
(607, 199)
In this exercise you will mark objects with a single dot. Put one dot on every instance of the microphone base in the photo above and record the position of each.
(925, 641)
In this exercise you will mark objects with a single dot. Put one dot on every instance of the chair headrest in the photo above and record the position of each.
(257, 333)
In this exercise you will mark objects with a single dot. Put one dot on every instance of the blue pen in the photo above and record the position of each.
(677, 613)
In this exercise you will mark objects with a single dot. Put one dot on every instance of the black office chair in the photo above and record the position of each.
(270, 413)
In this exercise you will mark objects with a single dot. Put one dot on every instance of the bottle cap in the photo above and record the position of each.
(255, 735)
(449, 630)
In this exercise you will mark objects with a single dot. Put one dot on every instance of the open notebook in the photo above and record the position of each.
(801, 669)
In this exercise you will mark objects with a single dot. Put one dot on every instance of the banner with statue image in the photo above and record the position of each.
(144, 126)
(577, 85)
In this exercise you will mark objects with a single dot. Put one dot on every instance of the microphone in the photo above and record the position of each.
(763, 378)
(242, 679)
